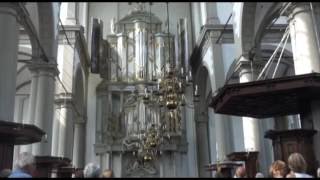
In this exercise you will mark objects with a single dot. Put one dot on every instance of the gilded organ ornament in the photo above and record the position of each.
(141, 68)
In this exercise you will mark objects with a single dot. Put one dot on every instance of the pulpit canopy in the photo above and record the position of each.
(268, 98)
(19, 134)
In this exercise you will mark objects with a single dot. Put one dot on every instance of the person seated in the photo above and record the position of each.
(278, 169)
(259, 175)
(218, 175)
(4, 173)
(78, 173)
(240, 172)
(290, 175)
(106, 173)
(91, 171)
(298, 165)
(24, 166)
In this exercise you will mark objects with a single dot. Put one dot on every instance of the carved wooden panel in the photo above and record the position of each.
(6, 156)
(286, 142)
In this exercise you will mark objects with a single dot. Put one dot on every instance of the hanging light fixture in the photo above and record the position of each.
(162, 96)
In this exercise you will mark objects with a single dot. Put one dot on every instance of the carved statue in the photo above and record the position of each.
(139, 168)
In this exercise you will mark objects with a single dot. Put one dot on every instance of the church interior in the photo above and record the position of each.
(161, 89)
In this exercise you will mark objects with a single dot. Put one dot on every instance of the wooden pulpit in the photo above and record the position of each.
(286, 142)
(46, 165)
(65, 172)
(226, 168)
(250, 159)
(11, 134)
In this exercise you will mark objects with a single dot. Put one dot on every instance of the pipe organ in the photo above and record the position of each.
(132, 111)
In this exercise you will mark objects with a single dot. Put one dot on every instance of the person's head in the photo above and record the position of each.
(91, 171)
(278, 169)
(290, 175)
(259, 175)
(78, 173)
(297, 163)
(5, 173)
(218, 174)
(106, 173)
(240, 172)
(318, 172)
(26, 162)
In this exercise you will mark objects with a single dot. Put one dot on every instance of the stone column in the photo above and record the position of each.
(203, 11)
(79, 143)
(41, 103)
(72, 13)
(303, 39)
(209, 13)
(306, 60)
(105, 161)
(216, 81)
(8, 62)
(196, 19)
(55, 130)
(20, 108)
(32, 103)
(191, 136)
(65, 143)
(220, 137)
(250, 125)
(201, 118)
(203, 145)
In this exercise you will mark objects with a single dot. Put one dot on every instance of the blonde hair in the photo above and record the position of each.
(280, 166)
(106, 173)
(241, 171)
(297, 163)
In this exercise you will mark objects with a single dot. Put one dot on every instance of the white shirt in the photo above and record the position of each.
(302, 175)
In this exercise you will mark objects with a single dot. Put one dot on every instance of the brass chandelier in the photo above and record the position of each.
(168, 97)
(163, 97)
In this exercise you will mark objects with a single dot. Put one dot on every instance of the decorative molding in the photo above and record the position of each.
(63, 98)
(10, 10)
(38, 65)
(71, 31)
(210, 33)
(75, 33)
(101, 148)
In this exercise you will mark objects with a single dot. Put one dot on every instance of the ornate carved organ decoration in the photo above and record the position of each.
(143, 87)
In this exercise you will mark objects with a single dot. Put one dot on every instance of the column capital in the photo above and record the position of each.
(50, 68)
(10, 5)
(244, 66)
(80, 119)
(296, 8)
(63, 98)
(245, 63)
(12, 8)
(9, 9)
(73, 32)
